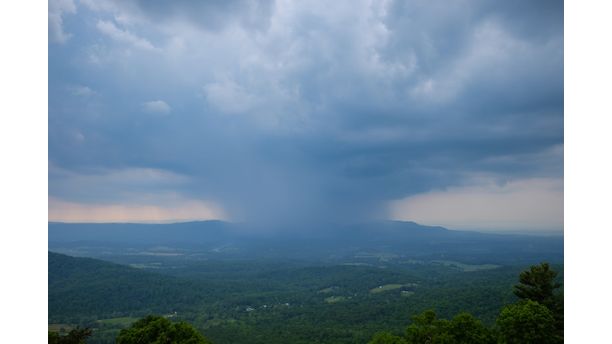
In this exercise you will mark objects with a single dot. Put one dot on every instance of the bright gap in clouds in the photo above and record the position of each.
(126, 195)
(184, 210)
(530, 205)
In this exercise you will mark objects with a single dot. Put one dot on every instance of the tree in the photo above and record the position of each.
(426, 328)
(538, 284)
(465, 328)
(527, 322)
(159, 330)
(386, 338)
(75, 336)
(536, 318)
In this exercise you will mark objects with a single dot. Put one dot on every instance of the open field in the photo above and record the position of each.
(385, 287)
(327, 290)
(334, 299)
(121, 322)
(60, 327)
(466, 267)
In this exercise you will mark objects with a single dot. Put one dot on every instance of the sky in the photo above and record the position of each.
(282, 112)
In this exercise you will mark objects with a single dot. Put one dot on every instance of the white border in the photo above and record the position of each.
(588, 55)
(23, 171)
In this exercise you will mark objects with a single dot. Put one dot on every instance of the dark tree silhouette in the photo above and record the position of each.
(75, 336)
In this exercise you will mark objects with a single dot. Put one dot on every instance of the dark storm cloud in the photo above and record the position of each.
(211, 15)
(296, 111)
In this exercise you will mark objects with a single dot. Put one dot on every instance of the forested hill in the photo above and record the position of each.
(271, 302)
(81, 287)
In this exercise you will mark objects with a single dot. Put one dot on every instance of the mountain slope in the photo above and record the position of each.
(84, 286)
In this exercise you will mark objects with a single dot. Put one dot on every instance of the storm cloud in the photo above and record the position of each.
(293, 111)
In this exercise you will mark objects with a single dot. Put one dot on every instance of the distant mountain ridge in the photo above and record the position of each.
(327, 240)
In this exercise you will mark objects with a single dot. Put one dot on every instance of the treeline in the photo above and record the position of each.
(149, 330)
(537, 318)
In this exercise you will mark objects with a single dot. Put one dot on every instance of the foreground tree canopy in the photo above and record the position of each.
(527, 322)
(463, 328)
(159, 330)
(537, 318)
(75, 336)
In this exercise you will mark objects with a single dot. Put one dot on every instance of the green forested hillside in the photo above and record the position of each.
(268, 301)
(85, 289)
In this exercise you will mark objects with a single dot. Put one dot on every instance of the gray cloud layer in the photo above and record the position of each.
(307, 111)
